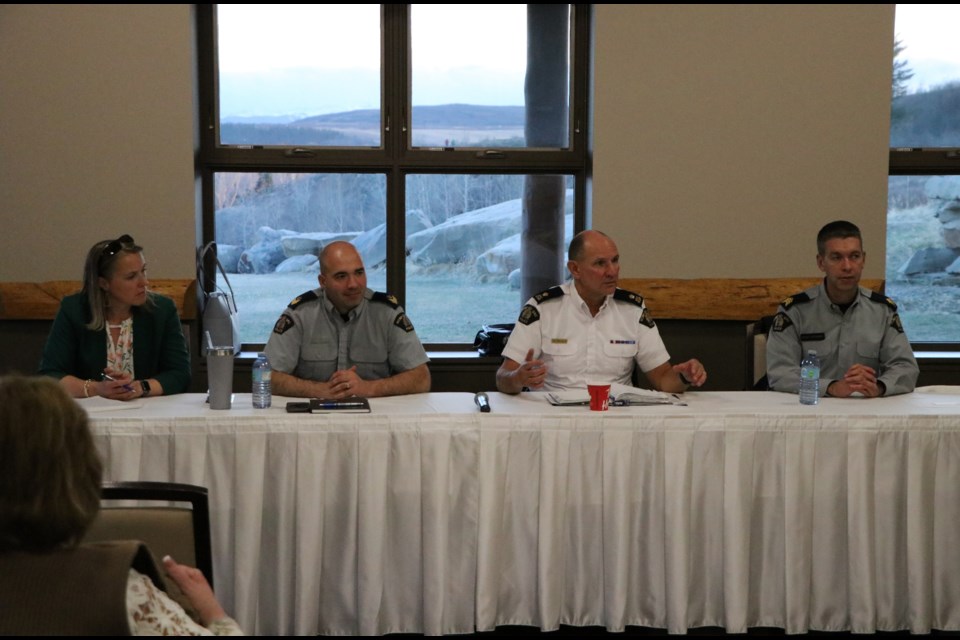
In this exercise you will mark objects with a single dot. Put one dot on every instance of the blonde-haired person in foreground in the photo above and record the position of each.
(50, 584)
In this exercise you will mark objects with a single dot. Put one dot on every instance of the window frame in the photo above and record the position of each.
(920, 161)
(393, 158)
(933, 161)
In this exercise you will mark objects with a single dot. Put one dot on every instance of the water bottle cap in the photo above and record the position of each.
(811, 352)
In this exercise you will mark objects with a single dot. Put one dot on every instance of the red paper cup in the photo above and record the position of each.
(599, 396)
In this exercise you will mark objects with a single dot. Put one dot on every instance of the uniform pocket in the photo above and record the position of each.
(559, 347)
(366, 352)
(318, 361)
(319, 352)
(620, 348)
(868, 354)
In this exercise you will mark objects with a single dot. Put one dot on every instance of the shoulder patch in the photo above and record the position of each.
(386, 298)
(895, 322)
(549, 294)
(403, 322)
(796, 298)
(780, 322)
(646, 320)
(284, 322)
(528, 315)
(300, 299)
(628, 296)
(879, 297)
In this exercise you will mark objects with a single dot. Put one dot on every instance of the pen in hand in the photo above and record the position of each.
(105, 376)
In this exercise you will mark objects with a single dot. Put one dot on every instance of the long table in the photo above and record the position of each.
(739, 510)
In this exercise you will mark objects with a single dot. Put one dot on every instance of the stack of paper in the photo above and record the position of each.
(620, 395)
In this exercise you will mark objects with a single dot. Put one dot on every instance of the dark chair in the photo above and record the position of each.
(757, 353)
(172, 519)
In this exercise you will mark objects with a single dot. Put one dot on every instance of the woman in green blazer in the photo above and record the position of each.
(115, 338)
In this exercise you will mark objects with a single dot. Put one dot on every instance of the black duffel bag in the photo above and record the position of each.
(492, 338)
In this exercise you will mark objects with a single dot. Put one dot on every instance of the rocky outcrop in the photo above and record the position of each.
(486, 240)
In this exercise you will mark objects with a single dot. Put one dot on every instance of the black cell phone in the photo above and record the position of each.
(298, 407)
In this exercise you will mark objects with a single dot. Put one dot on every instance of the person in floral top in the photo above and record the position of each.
(116, 338)
(50, 584)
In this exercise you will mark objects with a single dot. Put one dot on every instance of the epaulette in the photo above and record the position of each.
(386, 298)
(550, 294)
(303, 297)
(879, 297)
(628, 296)
(795, 299)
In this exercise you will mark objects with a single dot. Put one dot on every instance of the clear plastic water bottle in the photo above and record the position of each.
(262, 394)
(810, 378)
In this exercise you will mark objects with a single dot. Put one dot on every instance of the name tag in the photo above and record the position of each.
(806, 337)
(558, 341)
(623, 342)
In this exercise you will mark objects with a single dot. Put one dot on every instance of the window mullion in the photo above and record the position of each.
(396, 101)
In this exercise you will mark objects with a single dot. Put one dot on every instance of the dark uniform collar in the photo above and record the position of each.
(350, 315)
(821, 290)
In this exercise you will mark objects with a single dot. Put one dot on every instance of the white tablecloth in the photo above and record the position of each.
(742, 509)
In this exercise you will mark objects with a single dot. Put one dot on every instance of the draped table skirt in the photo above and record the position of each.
(742, 509)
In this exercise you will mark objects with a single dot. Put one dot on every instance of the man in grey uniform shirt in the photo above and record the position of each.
(856, 332)
(344, 339)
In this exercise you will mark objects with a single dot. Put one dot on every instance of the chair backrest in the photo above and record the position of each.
(172, 519)
(757, 353)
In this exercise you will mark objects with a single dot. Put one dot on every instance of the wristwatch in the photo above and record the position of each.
(146, 388)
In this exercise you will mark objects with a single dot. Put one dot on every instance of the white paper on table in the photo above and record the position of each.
(100, 405)
(619, 393)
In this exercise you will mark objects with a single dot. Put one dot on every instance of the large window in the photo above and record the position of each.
(923, 215)
(447, 142)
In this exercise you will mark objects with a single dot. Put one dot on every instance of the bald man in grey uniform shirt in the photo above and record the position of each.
(856, 332)
(343, 339)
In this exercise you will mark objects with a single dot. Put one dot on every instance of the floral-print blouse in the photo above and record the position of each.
(151, 612)
(120, 353)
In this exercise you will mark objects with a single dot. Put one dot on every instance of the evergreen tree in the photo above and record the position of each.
(901, 74)
(901, 70)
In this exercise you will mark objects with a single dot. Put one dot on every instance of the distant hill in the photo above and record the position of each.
(927, 118)
(361, 127)
(468, 116)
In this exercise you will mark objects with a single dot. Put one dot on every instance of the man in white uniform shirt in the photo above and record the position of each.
(588, 330)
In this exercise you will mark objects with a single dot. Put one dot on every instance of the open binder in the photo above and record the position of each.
(621, 395)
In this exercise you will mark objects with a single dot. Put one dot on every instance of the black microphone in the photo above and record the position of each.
(481, 399)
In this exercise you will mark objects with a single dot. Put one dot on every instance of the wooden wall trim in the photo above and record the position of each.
(668, 299)
(41, 300)
(720, 298)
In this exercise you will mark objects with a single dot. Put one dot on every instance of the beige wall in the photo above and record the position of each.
(96, 136)
(724, 135)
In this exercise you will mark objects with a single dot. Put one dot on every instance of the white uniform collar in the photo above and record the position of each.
(581, 304)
